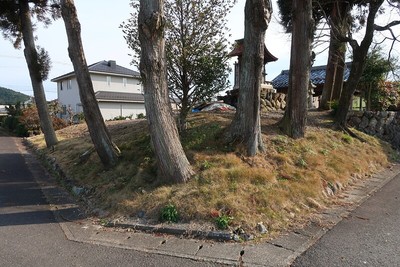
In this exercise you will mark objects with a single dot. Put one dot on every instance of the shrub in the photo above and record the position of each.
(140, 116)
(223, 221)
(59, 123)
(169, 214)
(334, 106)
(122, 118)
(11, 123)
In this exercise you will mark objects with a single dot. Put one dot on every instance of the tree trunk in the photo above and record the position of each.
(99, 134)
(330, 76)
(337, 50)
(359, 58)
(339, 74)
(183, 113)
(31, 58)
(168, 149)
(294, 120)
(185, 109)
(246, 126)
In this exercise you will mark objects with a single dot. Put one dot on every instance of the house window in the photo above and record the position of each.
(69, 84)
(108, 80)
(61, 86)
(124, 81)
(64, 109)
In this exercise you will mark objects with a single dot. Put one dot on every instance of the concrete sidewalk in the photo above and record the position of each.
(281, 251)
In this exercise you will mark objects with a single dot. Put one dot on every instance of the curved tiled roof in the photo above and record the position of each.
(317, 76)
(239, 47)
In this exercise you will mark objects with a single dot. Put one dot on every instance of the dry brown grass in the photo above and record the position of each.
(280, 188)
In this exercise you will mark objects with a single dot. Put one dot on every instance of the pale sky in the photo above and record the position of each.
(103, 40)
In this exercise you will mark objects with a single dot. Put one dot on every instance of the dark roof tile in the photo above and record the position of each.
(317, 76)
(106, 67)
(106, 96)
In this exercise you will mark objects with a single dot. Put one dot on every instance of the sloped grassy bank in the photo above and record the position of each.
(280, 188)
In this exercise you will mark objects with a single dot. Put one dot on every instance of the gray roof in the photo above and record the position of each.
(317, 76)
(106, 96)
(106, 67)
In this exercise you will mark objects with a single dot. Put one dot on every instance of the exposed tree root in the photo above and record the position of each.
(351, 133)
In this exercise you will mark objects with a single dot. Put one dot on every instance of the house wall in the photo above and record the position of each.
(115, 84)
(110, 110)
(68, 94)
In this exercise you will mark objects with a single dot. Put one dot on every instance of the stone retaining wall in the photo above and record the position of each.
(272, 101)
(383, 124)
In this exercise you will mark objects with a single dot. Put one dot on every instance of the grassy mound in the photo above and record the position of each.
(280, 188)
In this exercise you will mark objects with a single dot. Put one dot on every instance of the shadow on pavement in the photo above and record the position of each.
(23, 201)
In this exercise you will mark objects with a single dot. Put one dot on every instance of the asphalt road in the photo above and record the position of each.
(30, 235)
(370, 236)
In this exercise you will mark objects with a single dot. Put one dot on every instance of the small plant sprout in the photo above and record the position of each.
(205, 165)
(169, 214)
(347, 138)
(223, 221)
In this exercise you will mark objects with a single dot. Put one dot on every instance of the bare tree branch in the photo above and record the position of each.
(386, 27)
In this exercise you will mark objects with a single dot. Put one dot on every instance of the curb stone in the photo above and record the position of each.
(281, 251)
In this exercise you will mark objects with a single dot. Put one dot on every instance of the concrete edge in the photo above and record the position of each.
(380, 179)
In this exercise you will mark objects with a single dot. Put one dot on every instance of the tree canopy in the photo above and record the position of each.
(374, 81)
(196, 49)
(17, 25)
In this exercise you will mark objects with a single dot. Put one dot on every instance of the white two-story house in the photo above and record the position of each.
(118, 91)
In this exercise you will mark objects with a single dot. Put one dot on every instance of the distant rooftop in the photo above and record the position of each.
(317, 76)
(105, 67)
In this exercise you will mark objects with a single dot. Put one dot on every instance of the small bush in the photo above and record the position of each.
(122, 118)
(205, 165)
(223, 221)
(21, 131)
(169, 214)
(79, 117)
(58, 123)
(334, 106)
(11, 123)
(140, 116)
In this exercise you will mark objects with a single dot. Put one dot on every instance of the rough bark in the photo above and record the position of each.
(246, 126)
(339, 75)
(294, 120)
(330, 75)
(99, 133)
(31, 57)
(337, 49)
(171, 158)
(360, 52)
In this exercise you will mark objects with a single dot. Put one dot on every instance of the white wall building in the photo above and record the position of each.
(118, 90)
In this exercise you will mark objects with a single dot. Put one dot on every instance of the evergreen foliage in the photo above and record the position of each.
(196, 49)
(10, 97)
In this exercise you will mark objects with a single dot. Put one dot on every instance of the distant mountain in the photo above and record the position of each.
(10, 97)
